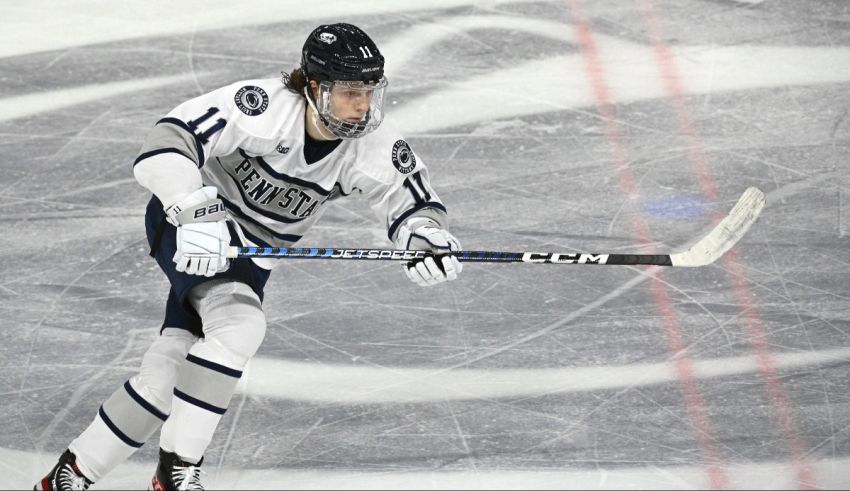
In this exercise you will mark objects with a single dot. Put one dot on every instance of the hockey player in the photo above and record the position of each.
(253, 163)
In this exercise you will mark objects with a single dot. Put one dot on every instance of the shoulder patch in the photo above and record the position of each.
(403, 158)
(251, 100)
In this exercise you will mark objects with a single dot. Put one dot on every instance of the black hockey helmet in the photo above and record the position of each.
(341, 52)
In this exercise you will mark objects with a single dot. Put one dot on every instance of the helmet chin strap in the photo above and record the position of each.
(322, 129)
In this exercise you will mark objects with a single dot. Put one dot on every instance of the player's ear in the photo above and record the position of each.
(314, 89)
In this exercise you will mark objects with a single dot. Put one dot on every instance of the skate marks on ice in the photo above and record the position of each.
(75, 23)
(631, 71)
(36, 103)
(630, 68)
(130, 475)
(706, 69)
(327, 383)
(332, 384)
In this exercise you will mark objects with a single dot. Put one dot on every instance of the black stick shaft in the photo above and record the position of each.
(463, 256)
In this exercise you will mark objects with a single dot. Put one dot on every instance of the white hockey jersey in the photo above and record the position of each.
(247, 139)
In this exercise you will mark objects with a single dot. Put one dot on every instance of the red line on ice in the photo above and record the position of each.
(749, 311)
(670, 319)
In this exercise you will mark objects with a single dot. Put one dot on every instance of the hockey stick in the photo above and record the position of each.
(721, 238)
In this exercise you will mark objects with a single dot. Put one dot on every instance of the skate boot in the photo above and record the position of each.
(66, 476)
(173, 474)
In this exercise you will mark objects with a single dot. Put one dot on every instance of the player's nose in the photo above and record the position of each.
(362, 105)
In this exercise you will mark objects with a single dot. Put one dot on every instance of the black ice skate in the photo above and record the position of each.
(65, 476)
(173, 474)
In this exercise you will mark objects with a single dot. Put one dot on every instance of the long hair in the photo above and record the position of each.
(295, 81)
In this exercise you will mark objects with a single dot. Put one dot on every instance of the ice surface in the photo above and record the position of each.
(603, 126)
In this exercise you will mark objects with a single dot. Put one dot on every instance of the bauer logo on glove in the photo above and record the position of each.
(209, 210)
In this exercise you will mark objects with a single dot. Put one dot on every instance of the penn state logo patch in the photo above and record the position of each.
(403, 158)
(252, 100)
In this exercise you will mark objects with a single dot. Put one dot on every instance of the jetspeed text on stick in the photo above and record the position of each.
(377, 254)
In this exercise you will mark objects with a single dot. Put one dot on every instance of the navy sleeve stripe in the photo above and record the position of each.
(185, 127)
(161, 151)
(428, 204)
(120, 434)
(197, 402)
(142, 402)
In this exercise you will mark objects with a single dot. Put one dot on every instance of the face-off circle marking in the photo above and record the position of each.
(403, 158)
(251, 100)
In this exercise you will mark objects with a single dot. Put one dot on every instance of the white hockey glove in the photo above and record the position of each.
(202, 235)
(425, 234)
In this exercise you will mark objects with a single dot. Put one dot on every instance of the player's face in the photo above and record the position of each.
(350, 101)
(349, 109)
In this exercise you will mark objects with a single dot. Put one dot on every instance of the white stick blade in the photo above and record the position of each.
(728, 232)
